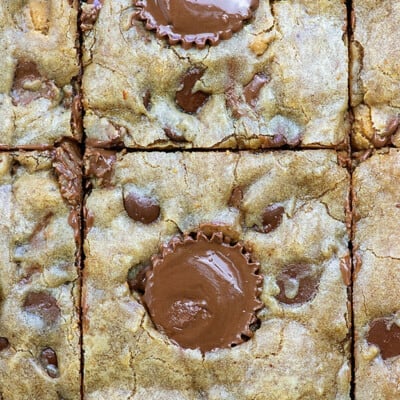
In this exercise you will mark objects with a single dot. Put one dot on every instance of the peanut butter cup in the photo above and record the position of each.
(195, 22)
(203, 292)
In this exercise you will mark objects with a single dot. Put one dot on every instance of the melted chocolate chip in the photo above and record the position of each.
(188, 100)
(29, 84)
(379, 141)
(99, 163)
(195, 22)
(272, 217)
(174, 136)
(297, 283)
(385, 334)
(274, 141)
(90, 13)
(236, 197)
(4, 343)
(141, 208)
(43, 305)
(202, 292)
(252, 90)
(48, 359)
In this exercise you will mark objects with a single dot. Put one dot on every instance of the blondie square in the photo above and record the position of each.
(276, 75)
(39, 279)
(282, 210)
(39, 103)
(375, 73)
(376, 187)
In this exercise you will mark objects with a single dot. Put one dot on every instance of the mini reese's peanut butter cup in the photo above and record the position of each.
(194, 22)
(203, 292)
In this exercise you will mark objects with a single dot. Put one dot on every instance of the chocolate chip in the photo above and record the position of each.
(252, 89)
(272, 217)
(4, 343)
(141, 208)
(190, 102)
(194, 22)
(297, 283)
(385, 334)
(43, 305)
(146, 99)
(48, 359)
(236, 197)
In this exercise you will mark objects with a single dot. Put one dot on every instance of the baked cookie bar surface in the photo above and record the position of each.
(177, 243)
(39, 63)
(39, 285)
(375, 77)
(257, 74)
(376, 185)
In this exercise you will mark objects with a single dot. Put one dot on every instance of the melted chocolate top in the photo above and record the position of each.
(203, 293)
(385, 334)
(195, 21)
(297, 283)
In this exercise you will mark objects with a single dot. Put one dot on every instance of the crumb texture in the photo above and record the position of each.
(39, 291)
(301, 349)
